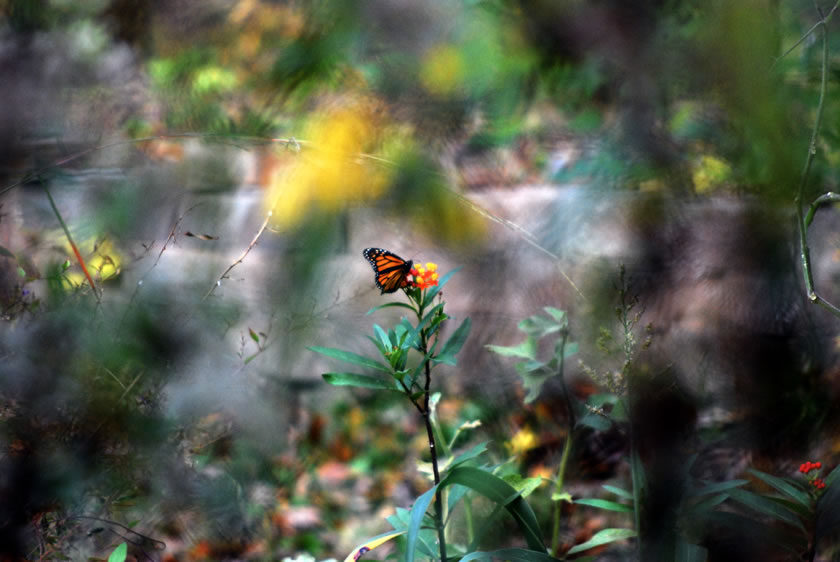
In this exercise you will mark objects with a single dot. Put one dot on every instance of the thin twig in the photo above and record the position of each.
(808, 33)
(171, 238)
(802, 221)
(242, 257)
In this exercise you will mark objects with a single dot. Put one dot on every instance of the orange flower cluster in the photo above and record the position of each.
(424, 277)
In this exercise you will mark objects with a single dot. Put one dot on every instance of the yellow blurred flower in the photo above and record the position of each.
(523, 441)
(101, 258)
(332, 172)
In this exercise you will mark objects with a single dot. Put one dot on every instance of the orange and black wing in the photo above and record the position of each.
(389, 269)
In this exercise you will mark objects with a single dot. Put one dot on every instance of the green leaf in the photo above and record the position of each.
(532, 366)
(718, 487)
(389, 305)
(562, 497)
(595, 421)
(418, 511)
(527, 349)
(524, 486)
(355, 379)
(427, 318)
(558, 315)
(765, 506)
(606, 504)
(6, 253)
(620, 492)
(603, 537)
(454, 344)
(469, 455)
(253, 335)
(637, 474)
(374, 542)
(350, 357)
(382, 348)
(832, 476)
(533, 381)
(514, 554)
(784, 487)
(539, 326)
(708, 504)
(599, 400)
(499, 491)
(382, 335)
(119, 553)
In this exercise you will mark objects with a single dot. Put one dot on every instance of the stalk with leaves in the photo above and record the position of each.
(407, 356)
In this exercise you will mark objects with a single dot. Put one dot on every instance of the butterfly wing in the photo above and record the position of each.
(389, 269)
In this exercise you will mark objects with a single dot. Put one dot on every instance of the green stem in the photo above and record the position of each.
(432, 449)
(802, 221)
(558, 488)
(567, 447)
(637, 480)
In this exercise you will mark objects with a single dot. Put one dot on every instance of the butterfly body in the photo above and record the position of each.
(389, 269)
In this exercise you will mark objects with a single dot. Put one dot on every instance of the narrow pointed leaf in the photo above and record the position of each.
(356, 379)
(514, 554)
(765, 506)
(707, 504)
(558, 315)
(603, 537)
(381, 334)
(606, 504)
(119, 554)
(350, 357)
(371, 544)
(783, 486)
(418, 511)
(499, 491)
(539, 326)
(389, 305)
(832, 476)
(526, 350)
(620, 492)
(716, 487)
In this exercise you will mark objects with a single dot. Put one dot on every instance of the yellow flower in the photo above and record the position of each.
(332, 171)
(523, 441)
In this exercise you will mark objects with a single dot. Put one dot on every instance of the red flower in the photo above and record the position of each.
(807, 467)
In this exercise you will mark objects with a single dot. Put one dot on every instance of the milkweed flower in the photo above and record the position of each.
(811, 470)
(807, 467)
(424, 277)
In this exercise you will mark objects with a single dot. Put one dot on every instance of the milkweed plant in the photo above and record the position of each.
(403, 360)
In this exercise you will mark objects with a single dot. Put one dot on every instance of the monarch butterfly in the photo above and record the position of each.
(390, 269)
